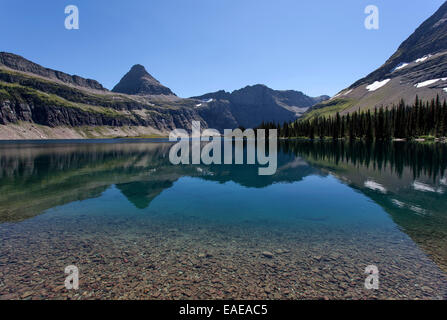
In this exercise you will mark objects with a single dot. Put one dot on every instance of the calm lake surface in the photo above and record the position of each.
(138, 227)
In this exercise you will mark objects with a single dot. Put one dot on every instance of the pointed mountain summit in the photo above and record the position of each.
(139, 82)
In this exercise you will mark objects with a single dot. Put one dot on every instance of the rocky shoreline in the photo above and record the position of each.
(141, 258)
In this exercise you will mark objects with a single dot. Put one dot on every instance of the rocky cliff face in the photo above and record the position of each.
(139, 82)
(29, 97)
(45, 114)
(34, 95)
(252, 105)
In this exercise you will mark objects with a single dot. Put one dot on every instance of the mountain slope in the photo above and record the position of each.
(139, 82)
(252, 105)
(417, 68)
(40, 103)
(18, 63)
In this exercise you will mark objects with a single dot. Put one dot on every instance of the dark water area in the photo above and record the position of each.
(139, 227)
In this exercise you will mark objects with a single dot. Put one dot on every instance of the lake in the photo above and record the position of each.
(138, 227)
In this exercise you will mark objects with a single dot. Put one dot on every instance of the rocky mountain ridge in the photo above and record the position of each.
(37, 103)
(252, 105)
(41, 103)
(417, 68)
(18, 63)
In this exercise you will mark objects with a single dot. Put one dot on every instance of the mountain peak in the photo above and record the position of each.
(139, 68)
(139, 82)
(417, 69)
(428, 39)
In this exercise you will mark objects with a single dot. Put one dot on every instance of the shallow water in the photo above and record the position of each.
(138, 227)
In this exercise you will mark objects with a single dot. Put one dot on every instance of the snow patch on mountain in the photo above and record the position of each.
(377, 85)
(428, 82)
(401, 66)
(342, 93)
(336, 96)
(423, 59)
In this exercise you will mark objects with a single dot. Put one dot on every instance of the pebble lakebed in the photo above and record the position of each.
(183, 258)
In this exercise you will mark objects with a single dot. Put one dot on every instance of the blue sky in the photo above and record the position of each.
(199, 46)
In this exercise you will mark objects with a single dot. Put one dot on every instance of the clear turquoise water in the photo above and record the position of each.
(139, 227)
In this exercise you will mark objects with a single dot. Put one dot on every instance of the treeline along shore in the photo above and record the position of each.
(426, 120)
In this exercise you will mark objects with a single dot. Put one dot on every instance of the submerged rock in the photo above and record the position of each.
(267, 254)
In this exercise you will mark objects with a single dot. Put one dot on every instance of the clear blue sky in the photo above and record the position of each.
(199, 46)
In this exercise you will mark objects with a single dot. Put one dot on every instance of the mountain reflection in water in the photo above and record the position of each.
(407, 180)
